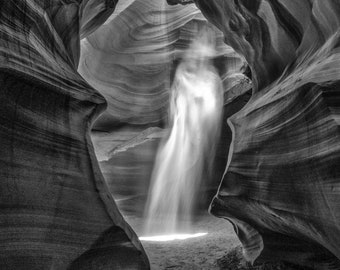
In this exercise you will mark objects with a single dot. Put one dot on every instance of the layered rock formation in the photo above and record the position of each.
(131, 60)
(281, 186)
(56, 210)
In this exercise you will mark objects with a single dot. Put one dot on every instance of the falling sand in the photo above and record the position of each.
(185, 155)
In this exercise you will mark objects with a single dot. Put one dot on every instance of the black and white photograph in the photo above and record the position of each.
(169, 134)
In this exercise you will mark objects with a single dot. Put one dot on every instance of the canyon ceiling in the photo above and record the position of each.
(75, 69)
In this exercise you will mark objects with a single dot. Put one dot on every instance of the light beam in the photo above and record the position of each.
(171, 237)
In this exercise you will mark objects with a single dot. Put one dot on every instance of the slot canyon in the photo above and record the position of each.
(170, 134)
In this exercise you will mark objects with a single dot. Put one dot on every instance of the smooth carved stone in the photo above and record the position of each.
(282, 182)
(271, 34)
(131, 59)
(108, 144)
(56, 210)
(182, 2)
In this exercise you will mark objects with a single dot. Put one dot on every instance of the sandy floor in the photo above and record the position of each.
(194, 253)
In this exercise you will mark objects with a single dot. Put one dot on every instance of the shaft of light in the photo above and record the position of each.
(195, 112)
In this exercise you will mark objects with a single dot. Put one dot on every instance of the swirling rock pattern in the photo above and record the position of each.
(56, 211)
(132, 57)
(272, 34)
(281, 186)
(131, 60)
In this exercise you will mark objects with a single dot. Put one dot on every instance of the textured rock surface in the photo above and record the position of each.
(281, 186)
(56, 211)
(131, 59)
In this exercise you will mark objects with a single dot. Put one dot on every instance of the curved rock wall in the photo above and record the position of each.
(132, 57)
(131, 60)
(56, 210)
(281, 186)
(272, 34)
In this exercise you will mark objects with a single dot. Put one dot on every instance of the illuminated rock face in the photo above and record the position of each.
(281, 185)
(56, 212)
(131, 59)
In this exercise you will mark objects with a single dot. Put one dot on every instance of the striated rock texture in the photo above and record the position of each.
(56, 210)
(271, 35)
(131, 59)
(281, 188)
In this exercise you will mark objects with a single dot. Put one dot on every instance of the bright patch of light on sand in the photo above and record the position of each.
(170, 237)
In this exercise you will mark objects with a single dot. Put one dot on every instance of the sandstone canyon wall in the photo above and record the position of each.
(56, 210)
(132, 57)
(131, 60)
(281, 185)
